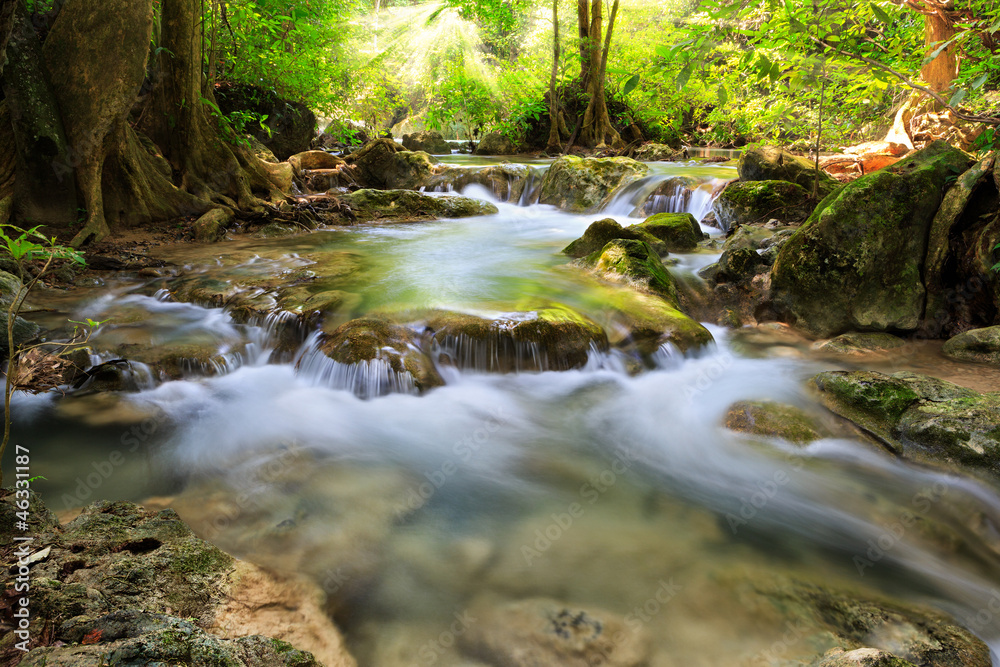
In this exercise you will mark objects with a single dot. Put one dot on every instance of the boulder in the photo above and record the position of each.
(679, 232)
(861, 657)
(598, 235)
(860, 342)
(541, 631)
(919, 417)
(505, 181)
(137, 584)
(653, 152)
(494, 143)
(385, 164)
(756, 202)
(387, 352)
(212, 225)
(979, 345)
(856, 264)
(772, 420)
(770, 163)
(407, 205)
(427, 141)
(291, 125)
(310, 160)
(543, 340)
(636, 263)
(581, 185)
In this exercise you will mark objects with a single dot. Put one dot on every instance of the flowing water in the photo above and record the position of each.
(600, 487)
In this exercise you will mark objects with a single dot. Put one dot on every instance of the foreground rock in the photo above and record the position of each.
(581, 185)
(770, 163)
(138, 585)
(919, 417)
(773, 420)
(427, 141)
(407, 205)
(856, 263)
(385, 164)
(679, 232)
(979, 345)
(756, 202)
(636, 263)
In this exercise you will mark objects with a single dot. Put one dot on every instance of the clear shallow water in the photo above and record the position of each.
(593, 487)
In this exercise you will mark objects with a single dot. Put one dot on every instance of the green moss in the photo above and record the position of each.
(200, 558)
(774, 420)
(678, 232)
(637, 262)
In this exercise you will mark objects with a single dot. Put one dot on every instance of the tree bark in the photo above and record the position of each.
(940, 72)
(554, 144)
(597, 131)
(45, 189)
(583, 22)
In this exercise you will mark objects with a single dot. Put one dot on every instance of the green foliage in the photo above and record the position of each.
(28, 245)
(461, 104)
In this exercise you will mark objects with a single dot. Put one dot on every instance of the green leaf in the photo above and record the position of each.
(683, 77)
(723, 96)
(630, 85)
(978, 83)
(957, 98)
(881, 14)
(664, 51)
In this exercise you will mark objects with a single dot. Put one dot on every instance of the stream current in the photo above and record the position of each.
(599, 487)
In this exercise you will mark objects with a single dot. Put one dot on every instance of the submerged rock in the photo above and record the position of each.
(756, 202)
(541, 631)
(859, 342)
(856, 263)
(581, 185)
(770, 163)
(407, 205)
(427, 141)
(547, 339)
(773, 420)
(919, 417)
(495, 143)
(979, 345)
(679, 232)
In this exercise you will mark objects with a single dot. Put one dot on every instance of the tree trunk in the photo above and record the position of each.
(597, 131)
(45, 187)
(554, 145)
(583, 21)
(940, 72)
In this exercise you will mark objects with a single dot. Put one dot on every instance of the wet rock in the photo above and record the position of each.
(117, 579)
(275, 230)
(978, 345)
(756, 202)
(653, 152)
(547, 339)
(385, 164)
(427, 141)
(495, 143)
(637, 263)
(171, 360)
(581, 185)
(406, 205)
(212, 225)
(860, 342)
(856, 263)
(598, 235)
(673, 194)
(770, 163)
(679, 232)
(919, 417)
(861, 657)
(546, 632)
(773, 420)
(382, 347)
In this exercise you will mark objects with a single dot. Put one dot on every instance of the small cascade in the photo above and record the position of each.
(366, 379)
(495, 353)
(532, 188)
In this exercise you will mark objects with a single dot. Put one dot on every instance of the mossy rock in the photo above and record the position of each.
(679, 232)
(756, 202)
(861, 657)
(542, 340)
(367, 340)
(505, 181)
(495, 143)
(406, 205)
(602, 232)
(581, 185)
(771, 163)
(856, 264)
(773, 420)
(919, 417)
(385, 164)
(427, 141)
(636, 263)
(977, 345)
(653, 152)
(861, 342)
